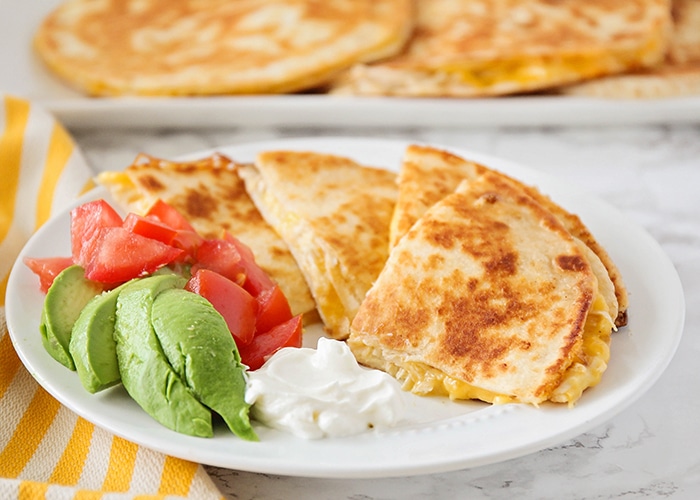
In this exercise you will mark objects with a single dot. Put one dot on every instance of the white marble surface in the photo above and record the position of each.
(651, 449)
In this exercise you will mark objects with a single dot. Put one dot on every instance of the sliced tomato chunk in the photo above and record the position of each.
(264, 345)
(237, 306)
(257, 279)
(150, 228)
(220, 256)
(119, 255)
(273, 309)
(86, 222)
(189, 242)
(169, 215)
(47, 268)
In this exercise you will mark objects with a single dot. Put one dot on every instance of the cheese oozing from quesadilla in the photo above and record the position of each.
(488, 297)
(334, 214)
(586, 371)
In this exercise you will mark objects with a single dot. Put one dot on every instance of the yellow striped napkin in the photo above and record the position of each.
(46, 451)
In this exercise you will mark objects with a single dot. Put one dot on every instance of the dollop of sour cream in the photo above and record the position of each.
(322, 392)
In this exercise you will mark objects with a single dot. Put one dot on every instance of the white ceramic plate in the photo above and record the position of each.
(28, 77)
(437, 435)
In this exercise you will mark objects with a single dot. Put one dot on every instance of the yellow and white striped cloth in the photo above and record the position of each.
(46, 451)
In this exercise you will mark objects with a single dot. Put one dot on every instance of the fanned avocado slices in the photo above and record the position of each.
(146, 374)
(200, 348)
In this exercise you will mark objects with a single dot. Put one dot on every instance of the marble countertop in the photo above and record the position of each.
(652, 174)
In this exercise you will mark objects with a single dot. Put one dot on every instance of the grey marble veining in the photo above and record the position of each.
(651, 449)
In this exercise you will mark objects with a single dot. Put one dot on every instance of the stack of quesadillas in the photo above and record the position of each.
(491, 291)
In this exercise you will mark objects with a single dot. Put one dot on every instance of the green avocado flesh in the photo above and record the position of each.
(199, 346)
(146, 374)
(64, 301)
(92, 344)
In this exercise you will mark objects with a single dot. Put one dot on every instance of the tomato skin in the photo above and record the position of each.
(169, 216)
(86, 222)
(47, 269)
(257, 279)
(119, 255)
(222, 257)
(264, 345)
(273, 309)
(237, 306)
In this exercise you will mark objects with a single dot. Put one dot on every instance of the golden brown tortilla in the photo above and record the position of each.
(678, 75)
(190, 47)
(334, 215)
(487, 297)
(498, 47)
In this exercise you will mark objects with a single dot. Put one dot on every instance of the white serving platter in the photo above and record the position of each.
(23, 74)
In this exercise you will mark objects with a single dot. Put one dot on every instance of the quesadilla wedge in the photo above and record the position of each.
(210, 193)
(427, 174)
(334, 215)
(487, 297)
(678, 75)
(189, 47)
(497, 47)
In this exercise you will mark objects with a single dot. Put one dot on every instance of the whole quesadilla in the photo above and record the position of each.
(498, 47)
(213, 198)
(428, 174)
(334, 215)
(488, 297)
(190, 47)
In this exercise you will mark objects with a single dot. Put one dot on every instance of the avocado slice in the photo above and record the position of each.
(92, 343)
(145, 372)
(65, 299)
(200, 348)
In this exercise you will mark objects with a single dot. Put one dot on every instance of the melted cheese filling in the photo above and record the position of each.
(585, 371)
(557, 68)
